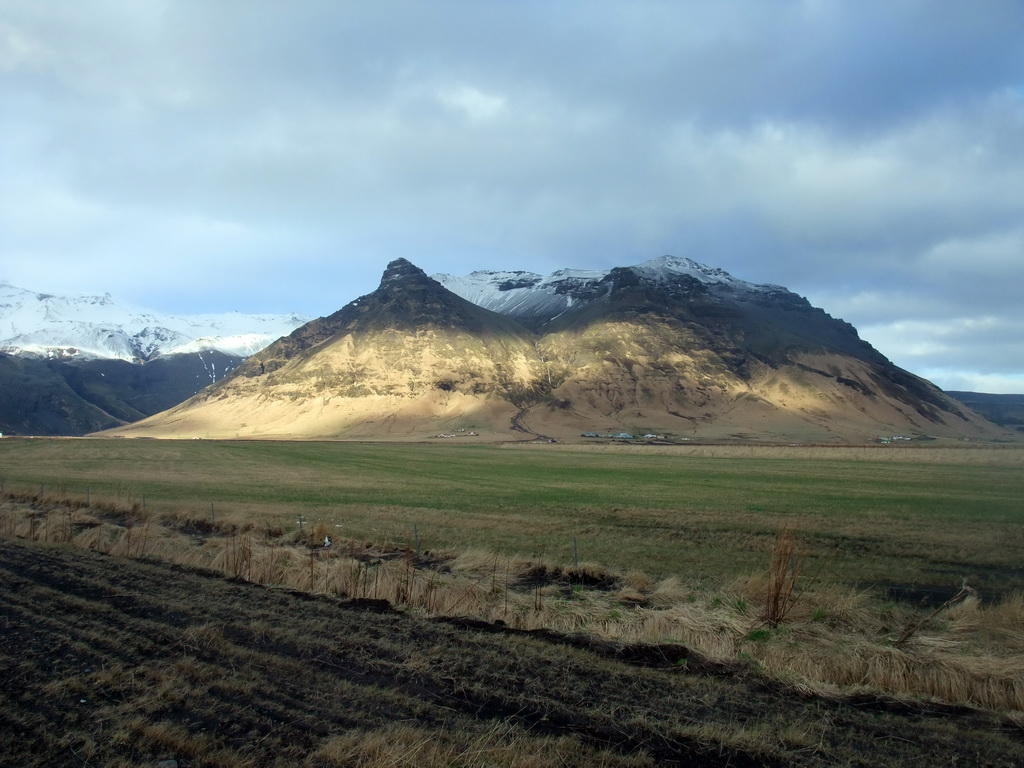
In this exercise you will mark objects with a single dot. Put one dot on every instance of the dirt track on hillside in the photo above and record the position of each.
(114, 662)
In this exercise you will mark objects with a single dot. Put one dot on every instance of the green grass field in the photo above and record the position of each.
(881, 518)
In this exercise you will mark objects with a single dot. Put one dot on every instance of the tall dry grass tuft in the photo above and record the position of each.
(270, 563)
(135, 540)
(942, 673)
(670, 591)
(101, 537)
(914, 627)
(703, 625)
(999, 627)
(236, 559)
(788, 558)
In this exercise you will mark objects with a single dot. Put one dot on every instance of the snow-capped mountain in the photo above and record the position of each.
(533, 298)
(524, 294)
(663, 348)
(98, 327)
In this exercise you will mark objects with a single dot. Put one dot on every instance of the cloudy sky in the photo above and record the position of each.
(274, 155)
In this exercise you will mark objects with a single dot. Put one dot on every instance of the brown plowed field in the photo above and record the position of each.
(108, 662)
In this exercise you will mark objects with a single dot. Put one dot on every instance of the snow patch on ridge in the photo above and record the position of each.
(522, 294)
(662, 268)
(48, 325)
(529, 295)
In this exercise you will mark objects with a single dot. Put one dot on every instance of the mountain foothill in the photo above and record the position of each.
(668, 348)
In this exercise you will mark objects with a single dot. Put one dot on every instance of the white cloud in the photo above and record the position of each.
(476, 104)
(987, 255)
(960, 381)
(984, 347)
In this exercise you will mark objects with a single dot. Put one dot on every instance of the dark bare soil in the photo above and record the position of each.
(106, 661)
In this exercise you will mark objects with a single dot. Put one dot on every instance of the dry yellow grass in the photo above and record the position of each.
(829, 637)
(938, 452)
(501, 745)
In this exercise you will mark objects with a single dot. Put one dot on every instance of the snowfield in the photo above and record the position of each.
(98, 327)
(529, 295)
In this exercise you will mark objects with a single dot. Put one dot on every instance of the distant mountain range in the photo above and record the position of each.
(536, 300)
(98, 328)
(76, 364)
(668, 348)
(1004, 410)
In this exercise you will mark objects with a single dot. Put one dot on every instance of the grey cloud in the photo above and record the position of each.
(844, 150)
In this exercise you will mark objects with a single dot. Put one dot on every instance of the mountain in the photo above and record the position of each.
(409, 358)
(46, 396)
(97, 327)
(535, 300)
(76, 364)
(731, 358)
(667, 347)
(1004, 410)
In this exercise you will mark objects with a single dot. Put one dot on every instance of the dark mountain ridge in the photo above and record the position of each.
(69, 397)
(1004, 410)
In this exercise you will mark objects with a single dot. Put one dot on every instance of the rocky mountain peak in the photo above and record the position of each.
(399, 271)
(407, 301)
